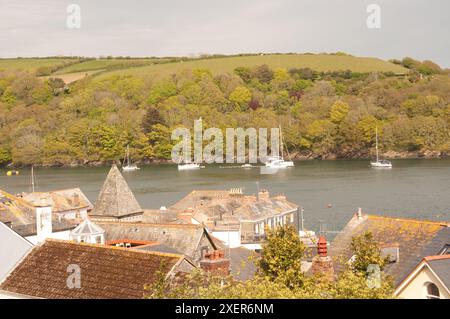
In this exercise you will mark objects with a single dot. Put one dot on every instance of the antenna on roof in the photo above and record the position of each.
(257, 191)
(302, 218)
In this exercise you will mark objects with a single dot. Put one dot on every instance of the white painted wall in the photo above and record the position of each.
(415, 289)
(230, 238)
(64, 235)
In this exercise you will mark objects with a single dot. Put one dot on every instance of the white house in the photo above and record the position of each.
(429, 280)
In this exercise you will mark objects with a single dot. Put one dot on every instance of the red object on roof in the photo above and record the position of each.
(322, 246)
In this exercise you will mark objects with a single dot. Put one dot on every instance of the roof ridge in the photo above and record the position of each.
(437, 257)
(150, 224)
(410, 220)
(111, 247)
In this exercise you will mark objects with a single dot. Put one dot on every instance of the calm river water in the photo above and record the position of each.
(329, 191)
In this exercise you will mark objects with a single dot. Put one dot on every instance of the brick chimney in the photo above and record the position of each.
(215, 263)
(322, 264)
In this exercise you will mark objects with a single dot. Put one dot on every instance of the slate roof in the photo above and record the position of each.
(409, 235)
(105, 272)
(115, 199)
(185, 238)
(12, 248)
(438, 243)
(158, 216)
(21, 216)
(162, 248)
(15, 210)
(61, 200)
(226, 210)
(441, 267)
(242, 266)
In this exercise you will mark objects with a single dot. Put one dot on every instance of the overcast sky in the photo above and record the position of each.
(417, 28)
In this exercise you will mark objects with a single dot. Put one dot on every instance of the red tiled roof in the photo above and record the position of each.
(106, 272)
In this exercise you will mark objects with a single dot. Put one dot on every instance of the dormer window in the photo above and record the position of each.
(445, 250)
(431, 291)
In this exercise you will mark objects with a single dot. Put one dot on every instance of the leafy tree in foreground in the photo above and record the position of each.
(366, 252)
(281, 253)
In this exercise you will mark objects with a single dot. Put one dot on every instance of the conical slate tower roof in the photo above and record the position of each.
(87, 228)
(115, 198)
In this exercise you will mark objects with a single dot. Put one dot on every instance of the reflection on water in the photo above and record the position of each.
(328, 190)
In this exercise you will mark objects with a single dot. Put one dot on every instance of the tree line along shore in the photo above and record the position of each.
(324, 114)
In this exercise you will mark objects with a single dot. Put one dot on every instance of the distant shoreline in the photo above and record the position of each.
(301, 156)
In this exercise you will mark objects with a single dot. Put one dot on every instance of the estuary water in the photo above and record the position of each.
(329, 191)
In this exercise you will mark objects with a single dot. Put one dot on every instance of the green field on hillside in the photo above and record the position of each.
(318, 62)
(105, 64)
(31, 64)
(161, 67)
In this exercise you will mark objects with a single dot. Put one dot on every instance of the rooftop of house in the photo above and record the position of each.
(106, 272)
(409, 236)
(20, 215)
(15, 210)
(163, 216)
(438, 264)
(225, 208)
(441, 267)
(12, 248)
(116, 198)
(185, 238)
(64, 200)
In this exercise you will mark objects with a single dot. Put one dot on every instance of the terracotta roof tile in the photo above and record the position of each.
(106, 272)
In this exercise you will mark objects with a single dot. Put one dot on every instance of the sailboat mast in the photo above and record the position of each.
(281, 142)
(32, 178)
(128, 155)
(376, 141)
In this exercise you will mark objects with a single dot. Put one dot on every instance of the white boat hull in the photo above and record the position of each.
(188, 167)
(279, 164)
(380, 165)
(289, 163)
(130, 168)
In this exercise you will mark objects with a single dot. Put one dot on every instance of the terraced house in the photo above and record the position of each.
(405, 241)
(235, 218)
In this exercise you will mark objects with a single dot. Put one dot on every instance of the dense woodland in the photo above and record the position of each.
(323, 114)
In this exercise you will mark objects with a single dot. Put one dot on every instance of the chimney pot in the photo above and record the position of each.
(323, 264)
(322, 247)
(215, 262)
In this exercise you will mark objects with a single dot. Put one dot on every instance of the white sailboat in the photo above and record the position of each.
(128, 167)
(188, 166)
(379, 163)
(278, 161)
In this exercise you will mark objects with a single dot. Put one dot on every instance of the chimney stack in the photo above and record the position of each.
(43, 220)
(215, 263)
(322, 264)
(359, 213)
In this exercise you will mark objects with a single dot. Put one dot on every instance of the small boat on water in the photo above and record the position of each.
(278, 162)
(188, 166)
(128, 167)
(379, 163)
(247, 166)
